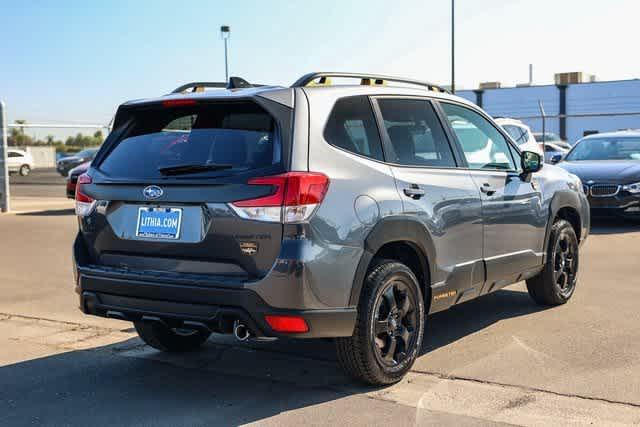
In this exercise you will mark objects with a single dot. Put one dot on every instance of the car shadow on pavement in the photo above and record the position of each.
(103, 386)
(465, 319)
(227, 383)
(51, 212)
(614, 225)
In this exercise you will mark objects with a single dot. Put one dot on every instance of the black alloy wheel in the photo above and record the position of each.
(394, 324)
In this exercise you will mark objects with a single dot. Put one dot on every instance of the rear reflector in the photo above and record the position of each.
(84, 203)
(294, 198)
(291, 324)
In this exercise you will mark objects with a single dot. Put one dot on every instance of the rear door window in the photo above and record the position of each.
(415, 133)
(240, 136)
(352, 127)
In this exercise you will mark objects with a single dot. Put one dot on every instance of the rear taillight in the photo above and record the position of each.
(294, 198)
(84, 203)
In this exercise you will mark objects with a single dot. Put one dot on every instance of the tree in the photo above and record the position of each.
(17, 137)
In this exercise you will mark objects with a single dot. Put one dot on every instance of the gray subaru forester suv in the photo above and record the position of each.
(320, 210)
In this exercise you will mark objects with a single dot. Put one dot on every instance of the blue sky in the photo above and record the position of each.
(75, 61)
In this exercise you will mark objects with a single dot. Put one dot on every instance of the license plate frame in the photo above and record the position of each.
(159, 230)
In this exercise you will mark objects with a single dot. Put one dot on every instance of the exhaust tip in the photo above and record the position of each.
(240, 331)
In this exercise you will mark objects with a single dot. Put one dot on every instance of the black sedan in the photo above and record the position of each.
(608, 165)
(65, 164)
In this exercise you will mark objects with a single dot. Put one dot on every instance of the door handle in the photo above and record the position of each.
(487, 189)
(414, 191)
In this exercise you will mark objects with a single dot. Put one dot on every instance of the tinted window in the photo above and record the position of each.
(352, 127)
(415, 134)
(14, 154)
(241, 135)
(483, 145)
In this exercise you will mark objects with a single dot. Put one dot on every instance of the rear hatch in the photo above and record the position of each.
(161, 187)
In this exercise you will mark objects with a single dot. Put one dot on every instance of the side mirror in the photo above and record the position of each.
(555, 159)
(531, 162)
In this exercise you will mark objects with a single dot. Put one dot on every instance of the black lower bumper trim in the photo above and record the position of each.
(213, 308)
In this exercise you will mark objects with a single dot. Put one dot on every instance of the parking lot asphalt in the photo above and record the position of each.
(499, 359)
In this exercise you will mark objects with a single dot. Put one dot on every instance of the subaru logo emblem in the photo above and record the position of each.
(152, 192)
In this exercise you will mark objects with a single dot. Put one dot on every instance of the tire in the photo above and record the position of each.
(556, 283)
(163, 338)
(391, 309)
(24, 170)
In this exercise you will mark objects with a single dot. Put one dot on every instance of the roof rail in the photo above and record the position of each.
(199, 86)
(233, 83)
(365, 79)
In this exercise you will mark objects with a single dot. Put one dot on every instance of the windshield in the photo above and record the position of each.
(606, 149)
(195, 140)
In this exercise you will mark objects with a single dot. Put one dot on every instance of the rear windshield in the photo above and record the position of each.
(240, 135)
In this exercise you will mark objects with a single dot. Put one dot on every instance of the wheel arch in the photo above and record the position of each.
(404, 239)
(564, 205)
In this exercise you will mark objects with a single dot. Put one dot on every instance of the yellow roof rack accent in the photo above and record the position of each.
(322, 81)
(372, 82)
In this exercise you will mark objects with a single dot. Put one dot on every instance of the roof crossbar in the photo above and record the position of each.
(364, 79)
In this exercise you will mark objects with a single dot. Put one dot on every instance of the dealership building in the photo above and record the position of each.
(575, 106)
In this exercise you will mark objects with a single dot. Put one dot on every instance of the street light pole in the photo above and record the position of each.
(225, 34)
(453, 48)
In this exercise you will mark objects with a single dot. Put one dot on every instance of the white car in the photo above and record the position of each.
(552, 151)
(520, 133)
(19, 161)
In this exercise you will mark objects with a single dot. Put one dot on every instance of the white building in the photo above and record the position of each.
(572, 110)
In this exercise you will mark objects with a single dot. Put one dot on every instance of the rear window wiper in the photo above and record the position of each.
(193, 168)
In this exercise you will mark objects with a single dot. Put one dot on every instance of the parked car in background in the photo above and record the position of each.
(550, 137)
(65, 164)
(609, 166)
(553, 153)
(72, 178)
(19, 161)
(520, 133)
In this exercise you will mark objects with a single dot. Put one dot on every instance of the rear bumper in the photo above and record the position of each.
(215, 308)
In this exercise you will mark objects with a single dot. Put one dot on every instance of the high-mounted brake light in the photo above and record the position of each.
(294, 198)
(178, 102)
(84, 203)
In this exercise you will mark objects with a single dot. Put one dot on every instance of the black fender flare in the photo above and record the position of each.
(561, 199)
(396, 228)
